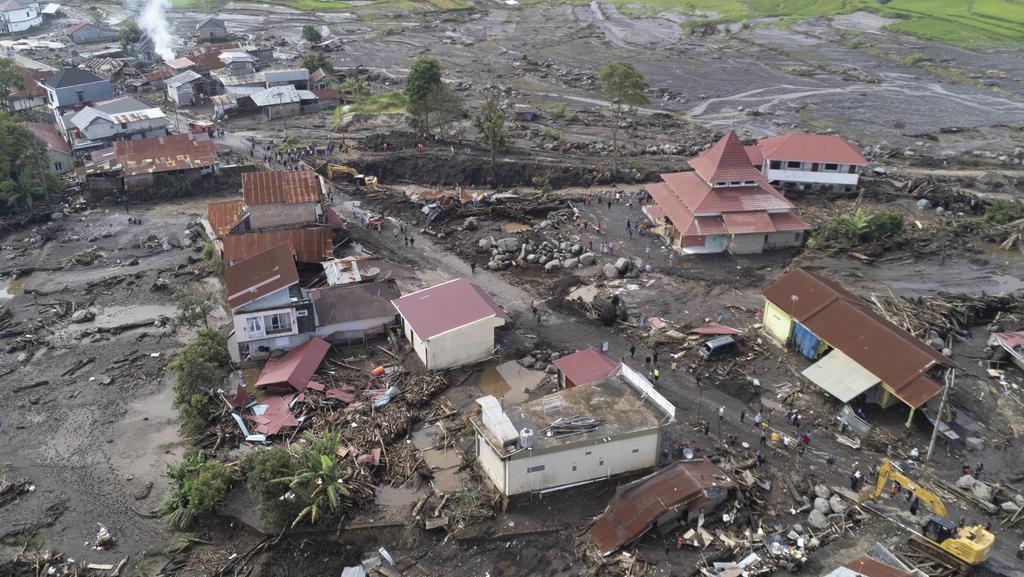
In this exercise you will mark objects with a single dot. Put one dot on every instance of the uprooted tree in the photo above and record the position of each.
(623, 86)
(315, 59)
(198, 368)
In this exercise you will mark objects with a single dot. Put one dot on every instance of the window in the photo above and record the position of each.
(636, 449)
(58, 166)
(588, 452)
(536, 469)
(574, 466)
(831, 166)
(793, 164)
(80, 95)
(124, 126)
(776, 164)
(254, 326)
(749, 182)
(279, 323)
(302, 313)
(601, 462)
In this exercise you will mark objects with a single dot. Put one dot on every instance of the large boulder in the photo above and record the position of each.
(486, 244)
(552, 266)
(822, 491)
(966, 482)
(1009, 507)
(471, 223)
(817, 520)
(508, 244)
(588, 258)
(82, 316)
(531, 258)
(622, 265)
(974, 443)
(982, 491)
(570, 263)
(837, 505)
(527, 361)
(822, 505)
(576, 249)
(610, 271)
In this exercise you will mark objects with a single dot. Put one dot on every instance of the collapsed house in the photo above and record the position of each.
(103, 123)
(724, 204)
(270, 311)
(857, 352)
(576, 436)
(676, 495)
(132, 165)
(451, 324)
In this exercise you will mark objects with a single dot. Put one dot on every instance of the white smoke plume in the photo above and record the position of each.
(153, 21)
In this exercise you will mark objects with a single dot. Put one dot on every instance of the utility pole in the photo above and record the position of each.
(284, 125)
(948, 379)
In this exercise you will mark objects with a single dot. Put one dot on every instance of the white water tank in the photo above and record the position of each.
(525, 438)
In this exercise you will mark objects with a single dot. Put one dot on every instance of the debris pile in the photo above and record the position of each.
(943, 317)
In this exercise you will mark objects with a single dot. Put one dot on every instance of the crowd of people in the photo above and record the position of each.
(292, 158)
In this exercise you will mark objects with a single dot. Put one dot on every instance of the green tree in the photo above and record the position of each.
(25, 176)
(446, 106)
(198, 368)
(277, 504)
(319, 479)
(310, 32)
(423, 82)
(196, 487)
(355, 86)
(195, 302)
(10, 80)
(128, 33)
(490, 121)
(316, 59)
(623, 86)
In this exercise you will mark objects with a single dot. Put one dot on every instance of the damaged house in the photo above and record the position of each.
(133, 165)
(575, 436)
(723, 204)
(102, 124)
(451, 324)
(858, 353)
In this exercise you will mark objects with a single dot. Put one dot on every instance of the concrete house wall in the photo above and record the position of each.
(61, 162)
(287, 109)
(530, 471)
(212, 33)
(21, 19)
(457, 347)
(264, 216)
(90, 33)
(82, 94)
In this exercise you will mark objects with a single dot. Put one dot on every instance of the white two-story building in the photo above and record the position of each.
(19, 15)
(103, 123)
(808, 160)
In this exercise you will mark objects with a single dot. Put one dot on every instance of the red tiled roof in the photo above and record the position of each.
(635, 508)
(847, 323)
(445, 307)
(725, 161)
(30, 83)
(206, 61)
(223, 215)
(707, 225)
(276, 416)
(161, 74)
(586, 366)
(295, 369)
(670, 205)
(811, 148)
(278, 187)
(748, 222)
(310, 245)
(260, 275)
(48, 134)
(75, 27)
(868, 567)
(754, 154)
(788, 221)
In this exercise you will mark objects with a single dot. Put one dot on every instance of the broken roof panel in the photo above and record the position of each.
(223, 215)
(354, 302)
(295, 368)
(637, 506)
(256, 277)
(310, 245)
(586, 366)
(279, 187)
(447, 306)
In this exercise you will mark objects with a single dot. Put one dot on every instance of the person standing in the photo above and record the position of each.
(472, 267)
(743, 416)
(764, 437)
(914, 503)
(632, 351)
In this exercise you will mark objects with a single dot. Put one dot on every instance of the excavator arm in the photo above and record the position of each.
(889, 472)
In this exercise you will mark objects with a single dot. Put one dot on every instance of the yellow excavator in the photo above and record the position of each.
(956, 549)
(358, 177)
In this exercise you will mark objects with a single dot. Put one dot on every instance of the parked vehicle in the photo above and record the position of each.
(718, 347)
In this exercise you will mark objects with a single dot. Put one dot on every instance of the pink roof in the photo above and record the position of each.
(726, 160)
(295, 368)
(586, 366)
(1011, 340)
(811, 148)
(48, 134)
(715, 329)
(276, 417)
(447, 306)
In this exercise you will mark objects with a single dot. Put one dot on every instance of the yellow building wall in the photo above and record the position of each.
(776, 322)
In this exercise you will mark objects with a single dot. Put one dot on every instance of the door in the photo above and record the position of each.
(715, 242)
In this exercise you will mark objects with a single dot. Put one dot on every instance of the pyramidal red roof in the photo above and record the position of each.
(726, 161)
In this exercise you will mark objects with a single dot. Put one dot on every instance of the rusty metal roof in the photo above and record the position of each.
(278, 187)
(636, 506)
(869, 567)
(586, 366)
(847, 323)
(260, 275)
(151, 155)
(223, 215)
(295, 368)
(310, 245)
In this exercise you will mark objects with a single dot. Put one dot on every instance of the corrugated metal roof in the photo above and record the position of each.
(727, 160)
(447, 306)
(748, 222)
(354, 302)
(278, 187)
(635, 507)
(295, 368)
(260, 275)
(165, 153)
(810, 148)
(788, 221)
(310, 245)
(848, 323)
(586, 366)
(841, 376)
(185, 77)
(223, 215)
